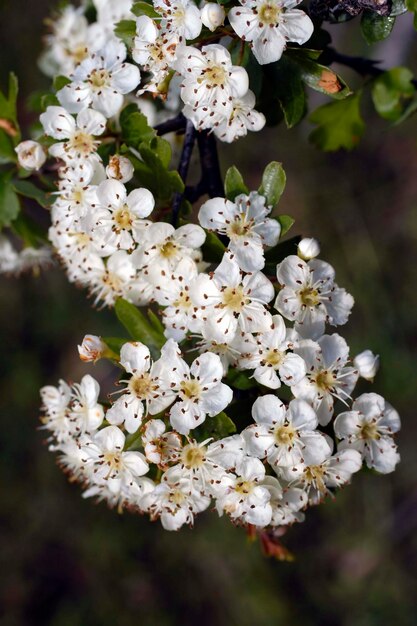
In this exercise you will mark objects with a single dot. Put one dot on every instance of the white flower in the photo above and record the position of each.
(86, 412)
(109, 12)
(91, 348)
(197, 388)
(229, 302)
(113, 468)
(328, 375)
(268, 25)
(161, 448)
(268, 355)
(212, 15)
(308, 248)
(179, 16)
(154, 49)
(243, 118)
(101, 81)
(9, 257)
(119, 222)
(140, 391)
(286, 502)
(286, 437)
(367, 364)
(55, 404)
(368, 428)
(245, 499)
(31, 155)
(120, 168)
(310, 297)
(245, 223)
(174, 501)
(77, 136)
(111, 279)
(209, 78)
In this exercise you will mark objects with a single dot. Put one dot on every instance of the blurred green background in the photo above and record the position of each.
(68, 562)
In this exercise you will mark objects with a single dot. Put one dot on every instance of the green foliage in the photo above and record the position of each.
(135, 127)
(213, 249)
(273, 183)
(9, 127)
(217, 427)
(9, 202)
(29, 231)
(279, 252)
(126, 31)
(234, 184)
(391, 93)
(29, 190)
(286, 222)
(376, 27)
(319, 77)
(411, 5)
(139, 326)
(143, 8)
(240, 380)
(60, 82)
(340, 124)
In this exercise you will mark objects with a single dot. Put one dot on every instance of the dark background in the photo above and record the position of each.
(67, 562)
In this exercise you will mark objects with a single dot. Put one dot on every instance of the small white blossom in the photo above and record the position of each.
(308, 248)
(120, 168)
(91, 349)
(367, 364)
(212, 15)
(31, 155)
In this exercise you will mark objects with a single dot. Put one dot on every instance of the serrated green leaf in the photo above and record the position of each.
(143, 8)
(376, 27)
(213, 249)
(126, 31)
(135, 127)
(240, 380)
(138, 326)
(391, 92)
(29, 190)
(9, 202)
(273, 183)
(219, 426)
(162, 149)
(340, 124)
(234, 184)
(286, 222)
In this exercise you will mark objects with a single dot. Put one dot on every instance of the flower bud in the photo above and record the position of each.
(120, 168)
(212, 15)
(308, 248)
(31, 155)
(367, 364)
(91, 349)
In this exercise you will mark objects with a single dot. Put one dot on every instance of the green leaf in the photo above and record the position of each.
(126, 31)
(213, 249)
(29, 190)
(155, 176)
(286, 222)
(143, 8)
(219, 426)
(114, 343)
(9, 202)
(155, 322)
(29, 230)
(279, 252)
(135, 127)
(162, 149)
(234, 184)
(273, 183)
(376, 27)
(138, 326)
(340, 124)
(7, 153)
(60, 82)
(240, 380)
(412, 6)
(9, 126)
(8, 103)
(289, 90)
(392, 91)
(320, 77)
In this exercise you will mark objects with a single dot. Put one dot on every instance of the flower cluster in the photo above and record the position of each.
(180, 437)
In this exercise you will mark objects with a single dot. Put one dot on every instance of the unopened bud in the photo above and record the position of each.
(91, 349)
(367, 364)
(212, 15)
(120, 168)
(31, 155)
(308, 248)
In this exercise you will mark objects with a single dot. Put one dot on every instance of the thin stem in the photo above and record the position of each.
(187, 150)
(173, 125)
(210, 167)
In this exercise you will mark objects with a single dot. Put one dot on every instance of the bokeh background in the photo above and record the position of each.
(67, 562)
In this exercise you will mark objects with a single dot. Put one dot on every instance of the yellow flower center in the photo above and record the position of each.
(285, 434)
(269, 14)
(245, 487)
(214, 75)
(273, 357)
(99, 78)
(314, 475)
(141, 386)
(191, 389)
(309, 296)
(183, 301)
(325, 380)
(177, 497)
(82, 142)
(369, 430)
(123, 218)
(239, 227)
(233, 299)
(168, 249)
(113, 460)
(193, 456)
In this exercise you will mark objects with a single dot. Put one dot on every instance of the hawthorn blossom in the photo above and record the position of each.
(120, 168)
(367, 364)
(110, 279)
(268, 354)
(119, 222)
(245, 499)
(228, 302)
(328, 374)
(243, 118)
(76, 136)
(154, 49)
(91, 349)
(101, 81)
(179, 16)
(286, 502)
(369, 428)
(246, 224)
(86, 412)
(308, 248)
(212, 15)
(269, 25)
(161, 447)
(31, 155)
(310, 297)
(286, 437)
